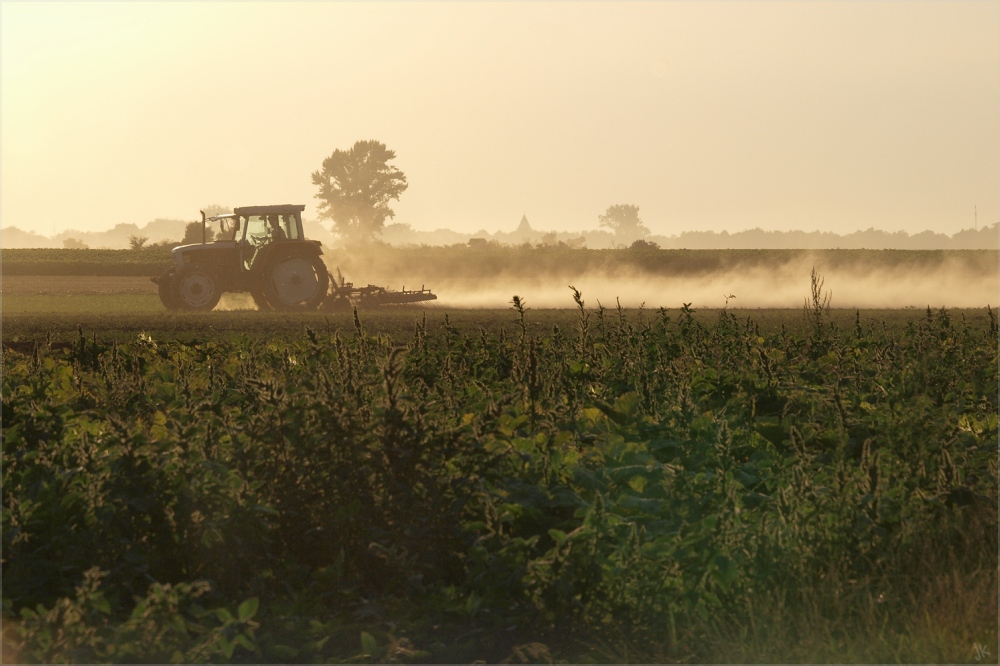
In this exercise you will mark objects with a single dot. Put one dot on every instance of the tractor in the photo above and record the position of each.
(259, 249)
(263, 250)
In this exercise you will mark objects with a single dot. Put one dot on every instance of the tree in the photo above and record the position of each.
(355, 188)
(623, 221)
(137, 242)
(74, 244)
(192, 233)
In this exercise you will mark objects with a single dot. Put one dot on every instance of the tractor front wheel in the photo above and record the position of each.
(296, 283)
(196, 288)
(165, 288)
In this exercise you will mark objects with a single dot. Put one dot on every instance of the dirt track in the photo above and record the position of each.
(28, 285)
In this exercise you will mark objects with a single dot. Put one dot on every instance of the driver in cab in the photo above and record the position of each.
(277, 233)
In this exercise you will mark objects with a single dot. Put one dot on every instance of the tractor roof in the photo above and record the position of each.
(268, 210)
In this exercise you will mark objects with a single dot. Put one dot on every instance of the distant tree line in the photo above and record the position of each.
(870, 239)
(356, 185)
(401, 234)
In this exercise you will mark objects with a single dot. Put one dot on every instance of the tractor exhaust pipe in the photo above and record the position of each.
(204, 233)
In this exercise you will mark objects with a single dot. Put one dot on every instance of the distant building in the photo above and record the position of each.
(524, 232)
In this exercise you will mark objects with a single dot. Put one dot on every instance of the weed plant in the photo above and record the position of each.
(634, 486)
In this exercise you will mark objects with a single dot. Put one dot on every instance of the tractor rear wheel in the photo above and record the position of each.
(196, 288)
(260, 300)
(296, 283)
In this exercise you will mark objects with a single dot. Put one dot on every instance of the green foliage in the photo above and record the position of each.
(165, 626)
(634, 479)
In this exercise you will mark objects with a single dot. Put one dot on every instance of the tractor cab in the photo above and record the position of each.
(229, 226)
(250, 231)
(258, 227)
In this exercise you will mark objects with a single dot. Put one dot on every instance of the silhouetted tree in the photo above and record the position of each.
(137, 242)
(192, 233)
(355, 188)
(549, 239)
(623, 221)
(74, 244)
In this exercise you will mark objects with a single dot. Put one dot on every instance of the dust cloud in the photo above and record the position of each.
(236, 301)
(951, 283)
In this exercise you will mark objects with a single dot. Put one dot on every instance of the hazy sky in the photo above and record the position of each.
(708, 116)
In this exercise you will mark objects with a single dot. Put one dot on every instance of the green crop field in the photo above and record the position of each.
(426, 485)
(439, 263)
(144, 262)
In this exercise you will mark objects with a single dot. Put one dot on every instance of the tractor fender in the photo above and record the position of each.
(284, 249)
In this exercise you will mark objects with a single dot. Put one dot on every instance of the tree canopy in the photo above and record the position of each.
(355, 188)
(624, 222)
(192, 233)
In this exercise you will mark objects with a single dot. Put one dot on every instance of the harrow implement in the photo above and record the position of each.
(344, 295)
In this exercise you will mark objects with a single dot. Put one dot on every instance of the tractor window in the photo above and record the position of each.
(290, 227)
(257, 229)
(228, 227)
(255, 236)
